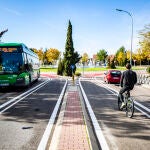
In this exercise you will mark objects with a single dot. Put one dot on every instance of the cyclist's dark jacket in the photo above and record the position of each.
(128, 79)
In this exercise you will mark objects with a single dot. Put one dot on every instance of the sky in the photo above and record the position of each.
(96, 24)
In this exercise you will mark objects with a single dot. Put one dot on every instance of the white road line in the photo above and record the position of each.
(137, 103)
(37, 87)
(46, 135)
(58, 127)
(12, 100)
(142, 106)
(142, 112)
(97, 128)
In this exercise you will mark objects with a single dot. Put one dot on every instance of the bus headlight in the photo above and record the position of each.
(20, 79)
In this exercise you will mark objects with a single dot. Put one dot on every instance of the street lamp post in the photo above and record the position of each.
(1, 33)
(131, 31)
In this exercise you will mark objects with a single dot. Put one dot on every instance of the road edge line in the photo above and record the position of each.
(97, 128)
(45, 137)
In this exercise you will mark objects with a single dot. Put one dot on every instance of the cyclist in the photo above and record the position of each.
(128, 80)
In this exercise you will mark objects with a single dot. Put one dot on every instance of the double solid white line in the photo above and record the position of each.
(46, 135)
(17, 99)
(138, 105)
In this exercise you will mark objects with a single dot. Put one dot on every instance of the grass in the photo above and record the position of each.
(48, 70)
(92, 69)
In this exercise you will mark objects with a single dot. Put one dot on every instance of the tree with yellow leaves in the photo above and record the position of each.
(52, 55)
(145, 43)
(85, 58)
(40, 53)
(120, 56)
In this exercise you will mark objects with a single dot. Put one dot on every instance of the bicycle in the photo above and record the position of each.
(129, 104)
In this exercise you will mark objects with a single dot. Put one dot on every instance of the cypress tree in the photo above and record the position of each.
(60, 67)
(70, 56)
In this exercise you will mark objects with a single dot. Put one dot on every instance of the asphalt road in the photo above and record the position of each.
(120, 132)
(22, 126)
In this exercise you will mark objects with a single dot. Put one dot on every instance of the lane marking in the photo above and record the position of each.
(142, 106)
(97, 128)
(35, 89)
(12, 100)
(46, 135)
(56, 134)
(142, 112)
(137, 103)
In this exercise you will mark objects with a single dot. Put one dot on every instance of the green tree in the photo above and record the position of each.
(70, 56)
(60, 67)
(101, 55)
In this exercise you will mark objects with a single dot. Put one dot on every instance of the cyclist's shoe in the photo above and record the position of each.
(122, 105)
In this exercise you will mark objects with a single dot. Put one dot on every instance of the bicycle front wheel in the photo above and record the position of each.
(119, 104)
(130, 108)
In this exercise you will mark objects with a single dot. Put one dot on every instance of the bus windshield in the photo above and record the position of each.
(10, 62)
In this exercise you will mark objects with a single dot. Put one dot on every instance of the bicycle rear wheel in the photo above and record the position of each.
(130, 108)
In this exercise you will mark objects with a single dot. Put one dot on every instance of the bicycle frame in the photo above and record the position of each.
(129, 104)
(126, 95)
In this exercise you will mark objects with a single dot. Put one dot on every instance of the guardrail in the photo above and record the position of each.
(143, 79)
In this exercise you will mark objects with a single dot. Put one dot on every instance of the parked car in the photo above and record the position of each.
(112, 76)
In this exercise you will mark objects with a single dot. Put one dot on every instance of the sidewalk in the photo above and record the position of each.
(73, 134)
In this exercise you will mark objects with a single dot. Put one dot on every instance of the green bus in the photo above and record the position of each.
(19, 66)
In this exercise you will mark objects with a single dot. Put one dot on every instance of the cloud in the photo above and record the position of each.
(17, 13)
